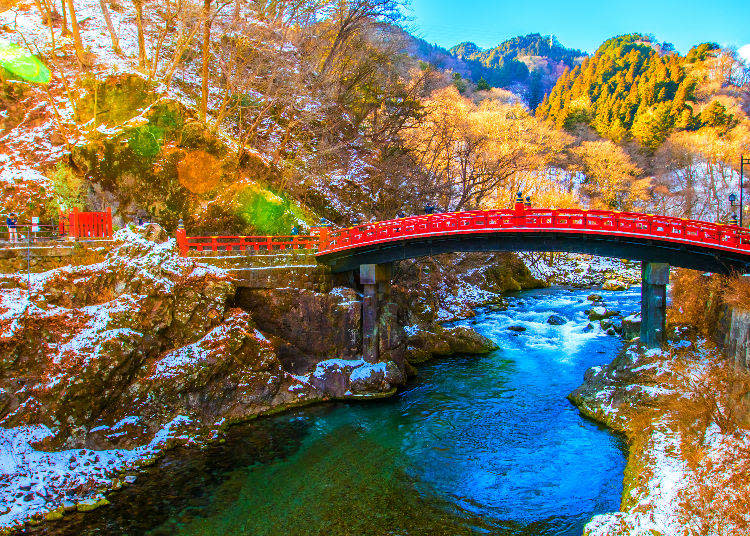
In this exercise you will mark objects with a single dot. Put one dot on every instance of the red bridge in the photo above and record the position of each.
(369, 250)
(678, 242)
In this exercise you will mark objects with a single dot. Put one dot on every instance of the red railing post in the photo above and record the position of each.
(108, 223)
(181, 237)
(75, 231)
(519, 210)
(324, 237)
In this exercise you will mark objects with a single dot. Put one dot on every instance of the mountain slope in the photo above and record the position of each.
(636, 87)
(530, 64)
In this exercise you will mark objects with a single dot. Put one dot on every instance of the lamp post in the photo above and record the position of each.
(732, 204)
(743, 160)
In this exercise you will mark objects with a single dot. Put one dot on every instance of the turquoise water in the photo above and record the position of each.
(474, 445)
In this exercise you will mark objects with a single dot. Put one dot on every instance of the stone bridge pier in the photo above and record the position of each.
(379, 315)
(654, 280)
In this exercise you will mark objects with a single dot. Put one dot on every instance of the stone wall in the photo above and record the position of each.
(735, 335)
(42, 259)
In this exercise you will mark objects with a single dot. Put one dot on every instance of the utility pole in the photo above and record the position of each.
(28, 262)
(743, 160)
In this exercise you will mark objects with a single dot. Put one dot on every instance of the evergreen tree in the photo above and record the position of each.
(652, 125)
(715, 115)
(482, 85)
(633, 86)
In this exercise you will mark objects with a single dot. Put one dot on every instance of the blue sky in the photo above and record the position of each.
(581, 24)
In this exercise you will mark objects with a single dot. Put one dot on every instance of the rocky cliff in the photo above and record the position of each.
(144, 350)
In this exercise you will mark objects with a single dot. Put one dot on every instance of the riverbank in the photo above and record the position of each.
(685, 416)
(471, 445)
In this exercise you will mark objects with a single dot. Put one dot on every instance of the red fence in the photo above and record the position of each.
(725, 237)
(86, 224)
(253, 244)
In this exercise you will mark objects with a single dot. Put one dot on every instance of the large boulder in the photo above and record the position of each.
(436, 340)
(340, 378)
(464, 340)
(614, 284)
(631, 326)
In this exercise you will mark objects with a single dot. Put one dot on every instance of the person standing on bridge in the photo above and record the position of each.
(12, 222)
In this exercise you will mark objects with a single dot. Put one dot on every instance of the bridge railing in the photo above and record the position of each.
(71, 225)
(580, 221)
(244, 244)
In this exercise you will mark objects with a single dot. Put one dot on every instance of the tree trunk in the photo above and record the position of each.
(77, 42)
(206, 51)
(141, 38)
(111, 28)
(65, 30)
(46, 19)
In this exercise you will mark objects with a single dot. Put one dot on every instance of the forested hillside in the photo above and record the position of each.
(635, 87)
(530, 63)
(682, 118)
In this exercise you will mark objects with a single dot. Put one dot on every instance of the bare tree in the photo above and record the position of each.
(347, 18)
(205, 51)
(77, 42)
(111, 28)
(142, 57)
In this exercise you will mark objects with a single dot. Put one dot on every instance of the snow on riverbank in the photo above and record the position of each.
(686, 474)
(35, 483)
(581, 270)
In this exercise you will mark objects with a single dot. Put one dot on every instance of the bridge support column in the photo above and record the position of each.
(376, 283)
(654, 279)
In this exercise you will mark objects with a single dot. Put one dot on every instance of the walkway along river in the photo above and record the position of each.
(486, 445)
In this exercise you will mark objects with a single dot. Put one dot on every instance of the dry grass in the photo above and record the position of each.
(697, 300)
(737, 292)
(713, 393)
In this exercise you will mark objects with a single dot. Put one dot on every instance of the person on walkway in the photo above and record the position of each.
(12, 222)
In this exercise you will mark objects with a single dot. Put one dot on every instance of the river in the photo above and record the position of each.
(473, 445)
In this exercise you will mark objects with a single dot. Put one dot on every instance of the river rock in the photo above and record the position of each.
(600, 313)
(464, 340)
(594, 298)
(631, 326)
(517, 329)
(557, 320)
(614, 284)
(437, 340)
(375, 378)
